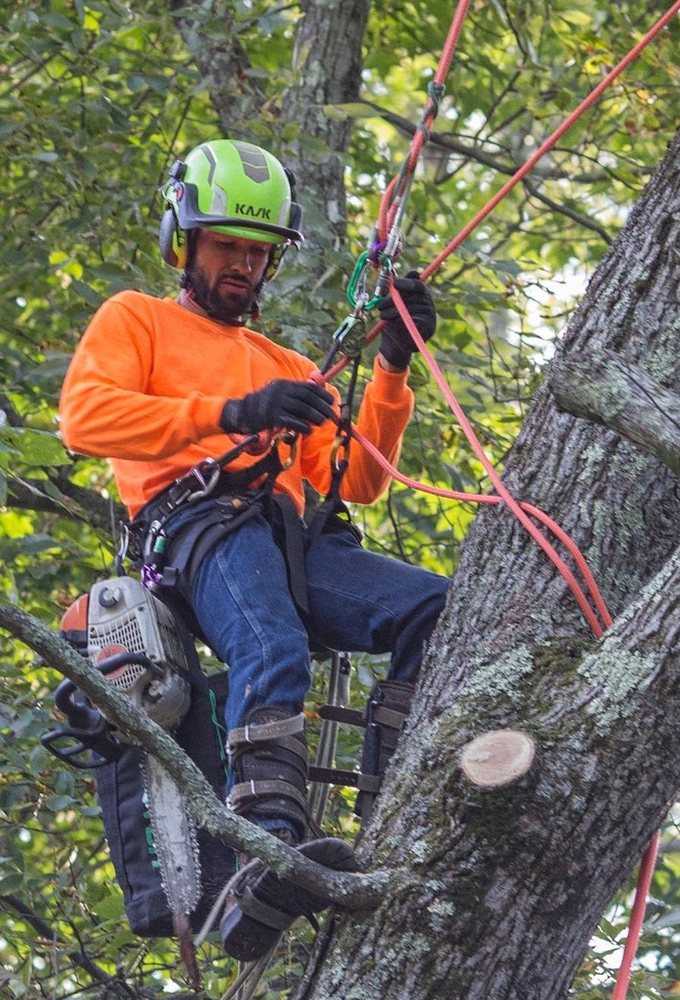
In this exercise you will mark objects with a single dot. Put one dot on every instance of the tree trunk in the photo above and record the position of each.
(507, 885)
(326, 69)
(327, 63)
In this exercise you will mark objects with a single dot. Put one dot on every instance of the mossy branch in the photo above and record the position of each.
(611, 391)
(354, 892)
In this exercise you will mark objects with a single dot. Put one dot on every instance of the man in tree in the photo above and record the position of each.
(162, 387)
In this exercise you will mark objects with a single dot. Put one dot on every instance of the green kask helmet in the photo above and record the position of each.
(235, 188)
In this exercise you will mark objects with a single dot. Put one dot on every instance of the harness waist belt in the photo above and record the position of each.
(205, 480)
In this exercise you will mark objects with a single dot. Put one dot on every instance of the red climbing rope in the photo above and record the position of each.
(546, 146)
(394, 197)
(636, 918)
(392, 207)
(519, 510)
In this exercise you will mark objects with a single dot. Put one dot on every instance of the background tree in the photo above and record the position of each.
(96, 101)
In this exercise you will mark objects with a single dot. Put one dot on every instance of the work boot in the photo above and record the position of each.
(262, 904)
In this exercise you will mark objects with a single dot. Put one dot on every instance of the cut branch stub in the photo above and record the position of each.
(497, 758)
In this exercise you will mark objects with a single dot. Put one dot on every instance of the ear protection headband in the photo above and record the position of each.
(277, 252)
(172, 239)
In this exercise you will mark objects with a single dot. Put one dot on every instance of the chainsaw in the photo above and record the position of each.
(132, 639)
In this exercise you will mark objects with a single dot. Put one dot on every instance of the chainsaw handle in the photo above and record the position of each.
(63, 696)
(88, 749)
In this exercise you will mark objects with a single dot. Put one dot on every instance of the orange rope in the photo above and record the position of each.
(636, 918)
(546, 146)
(398, 186)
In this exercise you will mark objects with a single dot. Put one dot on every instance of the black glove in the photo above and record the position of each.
(282, 403)
(396, 343)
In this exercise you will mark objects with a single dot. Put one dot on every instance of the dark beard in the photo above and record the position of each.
(228, 307)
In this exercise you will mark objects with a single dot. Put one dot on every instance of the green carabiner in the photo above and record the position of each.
(356, 279)
(357, 275)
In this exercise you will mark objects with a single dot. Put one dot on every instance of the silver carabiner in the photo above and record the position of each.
(208, 483)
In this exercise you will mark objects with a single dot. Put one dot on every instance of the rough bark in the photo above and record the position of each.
(212, 39)
(327, 64)
(326, 69)
(513, 880)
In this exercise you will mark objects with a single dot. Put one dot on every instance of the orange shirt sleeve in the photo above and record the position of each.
(106, 407)
(148, 381)
(385, 410)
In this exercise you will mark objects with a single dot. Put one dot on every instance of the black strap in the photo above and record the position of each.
(291, 539)
(177, 495)
(187, 548)
(331, 503)
(347, 716)
(338, 776)
(246, 793)
(253, 907)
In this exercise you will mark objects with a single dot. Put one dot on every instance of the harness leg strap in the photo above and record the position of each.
(268, 756)
(386, 713)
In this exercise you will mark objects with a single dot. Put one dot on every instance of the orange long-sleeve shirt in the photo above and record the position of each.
(148, 382)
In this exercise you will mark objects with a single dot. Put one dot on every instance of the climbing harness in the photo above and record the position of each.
(146, 536)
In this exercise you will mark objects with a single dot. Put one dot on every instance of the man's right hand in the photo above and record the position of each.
(281, 403)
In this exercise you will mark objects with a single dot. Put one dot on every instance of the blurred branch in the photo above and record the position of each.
(114, 985)
(570, 213)
(71, 500)
(474, 151)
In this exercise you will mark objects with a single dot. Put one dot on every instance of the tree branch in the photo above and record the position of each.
(79, 958)
(475, 151)
(570, 213)
(65, 498)
(354, 892)
(608, 390)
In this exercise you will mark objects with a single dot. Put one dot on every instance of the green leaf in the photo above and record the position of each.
(89, 294)
(11, 883)
(57, 803)
(34, 447)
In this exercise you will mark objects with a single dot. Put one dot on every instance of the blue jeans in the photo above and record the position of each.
(358, 601)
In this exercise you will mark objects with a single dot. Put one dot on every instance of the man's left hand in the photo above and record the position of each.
(396, 343)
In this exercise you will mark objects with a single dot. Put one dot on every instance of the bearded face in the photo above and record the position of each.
(226, 273)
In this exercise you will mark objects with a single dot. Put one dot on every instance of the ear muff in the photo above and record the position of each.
(295, 215)
(172, 240)
(295, 218)
(275, 257)
(278, 251)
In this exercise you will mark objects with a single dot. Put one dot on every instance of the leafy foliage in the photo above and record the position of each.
(96, 99)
